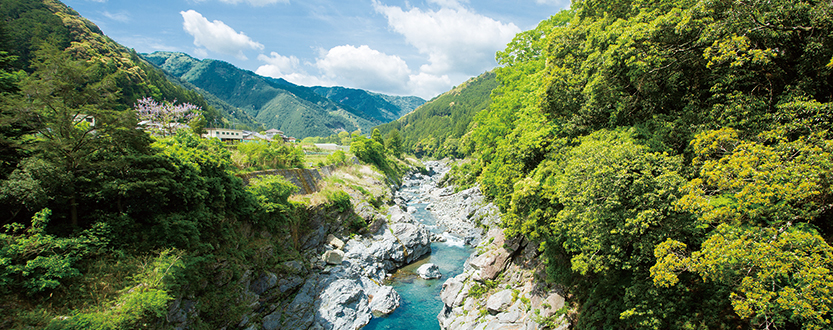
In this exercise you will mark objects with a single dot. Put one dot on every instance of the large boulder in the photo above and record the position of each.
(384, 301)
(429, 271)
(451, 289)
(343, 305)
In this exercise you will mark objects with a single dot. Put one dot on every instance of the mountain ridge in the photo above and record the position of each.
(276, 103)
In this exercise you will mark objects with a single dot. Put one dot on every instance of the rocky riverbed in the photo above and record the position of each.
(501, 286)
(342, 282)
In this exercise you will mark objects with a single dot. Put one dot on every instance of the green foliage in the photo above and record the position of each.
(369, 151)
(267, 155)
(673, 158)
(357, 223)
(393, 143)
(148, 300)
(476, 291)
(336, 157)
(339, 200)
(34, 261)
(272, 193)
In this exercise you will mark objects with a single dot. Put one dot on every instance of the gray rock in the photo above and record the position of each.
(272, 321)
(499, 301)
(333, 257)
(294, 266)
(265, 282)
(451, 288)
(429, 271)
(555, 302)
(289, 283)
(300, 313)
(385, 301)
(343, 306)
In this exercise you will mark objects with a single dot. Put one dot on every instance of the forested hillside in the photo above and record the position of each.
(276, 103)
(437, 127)
(672, 158)
(26, 25)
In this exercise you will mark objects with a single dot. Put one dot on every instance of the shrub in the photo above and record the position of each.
(35, 262)
(339, 200)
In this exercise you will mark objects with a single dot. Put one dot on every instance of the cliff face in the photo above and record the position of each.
(502, 288)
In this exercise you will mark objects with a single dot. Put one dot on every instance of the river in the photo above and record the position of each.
(421, 298)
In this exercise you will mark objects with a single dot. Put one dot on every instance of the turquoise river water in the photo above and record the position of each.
(420, 301)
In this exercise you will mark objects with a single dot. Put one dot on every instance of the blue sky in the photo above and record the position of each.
(395, 47)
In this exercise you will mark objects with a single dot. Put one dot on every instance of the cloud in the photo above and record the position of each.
(426, 85)
(290, 69)
(365, 68)
(256, 3)
(216, 36)
(455, 39)
(121, 16)
(448, 3)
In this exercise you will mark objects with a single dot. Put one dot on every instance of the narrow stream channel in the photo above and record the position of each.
(421, 302)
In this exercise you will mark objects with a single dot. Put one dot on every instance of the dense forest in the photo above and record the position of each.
(672, 158)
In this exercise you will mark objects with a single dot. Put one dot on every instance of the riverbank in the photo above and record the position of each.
(502, 284)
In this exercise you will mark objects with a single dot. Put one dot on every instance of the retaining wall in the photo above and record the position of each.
(306, 179)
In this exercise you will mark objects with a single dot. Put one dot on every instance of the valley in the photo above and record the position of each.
(623, 165)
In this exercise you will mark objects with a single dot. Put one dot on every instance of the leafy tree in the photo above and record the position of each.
(393, 143)
(377, 136)
(369, 151)
(722, 172)
(74, 117)
(15, 124)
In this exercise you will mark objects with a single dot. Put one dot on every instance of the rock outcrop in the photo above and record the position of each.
(499, 289)
(429, 271)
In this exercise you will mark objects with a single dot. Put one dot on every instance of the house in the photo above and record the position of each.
(224, 134)
(271, 133)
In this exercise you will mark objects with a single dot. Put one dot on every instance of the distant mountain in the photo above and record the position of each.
(436, 128)
(384, 108)
(276, 103)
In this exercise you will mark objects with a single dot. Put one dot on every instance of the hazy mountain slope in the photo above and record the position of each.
(276, 103)
(435, 128)
(384, 108)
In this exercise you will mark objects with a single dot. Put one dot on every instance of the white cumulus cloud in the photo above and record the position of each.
(288, 68)
(455, 39)
(256, 3)
(216, 36)
(427, 85)
(365, 68)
